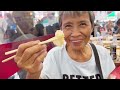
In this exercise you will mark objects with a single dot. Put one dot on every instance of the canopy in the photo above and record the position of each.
(111, 16)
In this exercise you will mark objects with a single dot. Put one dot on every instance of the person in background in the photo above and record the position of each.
(118, 27)
(110, 27)
(74, 60)
(40, 28)
(10, 32)
(25, 29)
(115, 29)
(29, 31)
(56, 27)
(96, 30)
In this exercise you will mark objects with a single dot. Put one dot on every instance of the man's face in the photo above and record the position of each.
(77, 30)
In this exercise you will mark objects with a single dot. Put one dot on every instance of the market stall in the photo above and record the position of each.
(107, 42)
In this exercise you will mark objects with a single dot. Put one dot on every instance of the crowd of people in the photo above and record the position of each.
(107, 28)
(17, 28)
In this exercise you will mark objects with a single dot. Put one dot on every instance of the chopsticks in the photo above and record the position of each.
(43, 42)
(59, 37)
(10, 58)
(10, 52)
(13, 51)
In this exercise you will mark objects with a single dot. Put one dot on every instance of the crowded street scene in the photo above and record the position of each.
(60, 44)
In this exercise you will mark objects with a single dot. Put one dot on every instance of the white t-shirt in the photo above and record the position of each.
(59, 65)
